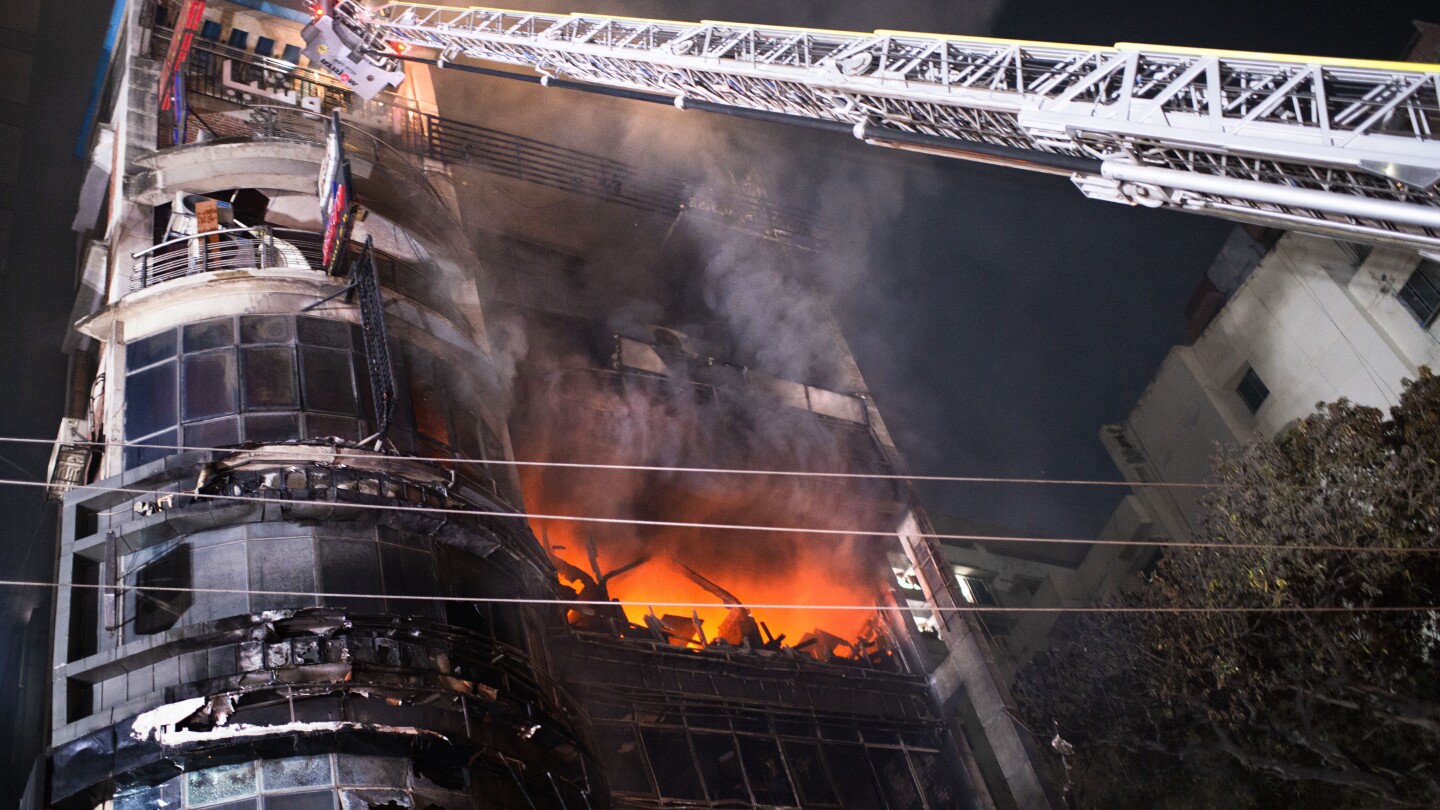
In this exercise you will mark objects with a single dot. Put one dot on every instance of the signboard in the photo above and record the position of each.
(69, 459)
(186, 26)
(207, 218)
(337, 204)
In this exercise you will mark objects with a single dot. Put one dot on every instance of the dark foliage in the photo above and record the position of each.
(1273, 709)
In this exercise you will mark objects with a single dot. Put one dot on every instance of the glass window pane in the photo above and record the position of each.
(209, 335)
(296, 772)
(270, 377)
(327, 381)
(291, 54)
(853, 778)
(284, 564)
(264, 46)
(765, 771)
(809, 772)
(277, 427)
(267, 329)
(362, 771)
(218, 784)
(350, 566)
(621, 757)
(150, 400)
(208, 383)
(322, 426)
(895, 775)
(939, 780)
(149, 350)
(467, 435)
(670, 760)
(322, 332)
(215, 433)
(721, 767)
(310, 800)
(150, 448)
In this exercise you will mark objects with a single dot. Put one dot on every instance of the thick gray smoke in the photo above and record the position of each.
(766, 305)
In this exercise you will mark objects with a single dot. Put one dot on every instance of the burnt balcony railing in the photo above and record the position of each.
(259, 249)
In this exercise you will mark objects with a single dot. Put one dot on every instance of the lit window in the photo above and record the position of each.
(1421, 294)
(975, 590)
(1252, 390)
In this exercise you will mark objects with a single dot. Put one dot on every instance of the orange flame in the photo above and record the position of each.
(758, 568)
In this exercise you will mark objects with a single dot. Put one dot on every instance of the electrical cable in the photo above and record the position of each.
(580, 465)
(519, 600)
(747, 527)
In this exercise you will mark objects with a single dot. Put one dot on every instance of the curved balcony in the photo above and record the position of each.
(234, 249)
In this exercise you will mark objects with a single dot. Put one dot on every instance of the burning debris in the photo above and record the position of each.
(739, 629)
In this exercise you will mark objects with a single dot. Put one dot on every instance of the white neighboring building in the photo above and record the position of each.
(1278, 330)
(1316, 321)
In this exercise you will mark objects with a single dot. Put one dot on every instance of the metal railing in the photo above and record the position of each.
(252, 249)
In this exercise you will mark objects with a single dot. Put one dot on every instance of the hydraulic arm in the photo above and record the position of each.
(1340, 147)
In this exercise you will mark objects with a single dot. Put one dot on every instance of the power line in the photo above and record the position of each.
(580, 465)
(748, 527)
(518, 600)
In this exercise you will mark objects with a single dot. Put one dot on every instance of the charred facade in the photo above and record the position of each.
(299, 566)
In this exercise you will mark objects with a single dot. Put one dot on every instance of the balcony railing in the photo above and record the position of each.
(253, 249)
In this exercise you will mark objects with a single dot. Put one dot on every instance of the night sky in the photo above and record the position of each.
(1001, 318)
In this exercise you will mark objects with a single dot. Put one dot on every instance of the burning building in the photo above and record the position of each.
(330, 539)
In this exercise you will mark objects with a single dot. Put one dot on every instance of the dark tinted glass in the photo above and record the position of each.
(853, 778)
(765, 770)
(277, 427)
(350, 566)
(148, 350)
(312, 800)
(363, 770)
(621, 757)
(150, 400)
(809, 772)
(327, 382)
(209, 335)
(153, 447)
(287, 564)
(670, 761)
(1253, 390)
(321, 332)
(209, 385)
(270, 377)
(322, 426)
(267, 329)
(895, 775)
(721, 767)
(214, 433)
(1421, 293)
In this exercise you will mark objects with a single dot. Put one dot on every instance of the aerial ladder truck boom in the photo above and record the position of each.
(1340, 147)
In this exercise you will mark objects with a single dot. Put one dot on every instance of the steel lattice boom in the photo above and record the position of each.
(1341, 147)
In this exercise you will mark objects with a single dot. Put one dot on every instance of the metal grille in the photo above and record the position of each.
(1328, 146)
(377, 342)
(232, 75)
(252, 249)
